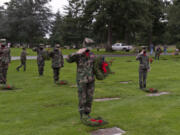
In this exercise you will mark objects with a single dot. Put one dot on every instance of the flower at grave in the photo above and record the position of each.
(8, 86)
(151, 89)
(150, 60)
(93, 120)
(100, 121)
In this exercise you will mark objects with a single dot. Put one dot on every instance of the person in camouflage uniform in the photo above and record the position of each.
(23, 59)
(40, 58)
(5, 59)
(158, 52)
(143, 68)
(57, 62)
(85, 79)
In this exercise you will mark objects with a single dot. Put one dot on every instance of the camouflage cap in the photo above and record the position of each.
(41, 45)
(57, 46)
(3, 43)
(2, 40)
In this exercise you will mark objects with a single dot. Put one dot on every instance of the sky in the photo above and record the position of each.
(56, 4)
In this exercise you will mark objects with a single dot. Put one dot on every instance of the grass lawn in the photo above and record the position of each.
(17, 52)
(39, 107)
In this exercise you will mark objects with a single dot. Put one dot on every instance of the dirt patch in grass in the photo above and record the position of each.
(109, 131)
(105, 99)
(158, 94)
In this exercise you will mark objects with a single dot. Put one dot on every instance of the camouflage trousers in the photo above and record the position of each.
(157, 56)
(40, 70)
(40, 67)
(56, 72)
(85, 94)
(23, 63)
(3, 75)
(142, 78)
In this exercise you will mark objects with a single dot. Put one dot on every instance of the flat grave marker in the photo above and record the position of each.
(158, 94)
(109, 131)
(105, 99)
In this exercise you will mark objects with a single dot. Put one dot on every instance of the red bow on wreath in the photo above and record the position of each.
(87, 54)
(98, 121)
(151, 89)
(104, 65)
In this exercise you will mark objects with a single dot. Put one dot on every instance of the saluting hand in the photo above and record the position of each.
(142, 52)
(80, 51)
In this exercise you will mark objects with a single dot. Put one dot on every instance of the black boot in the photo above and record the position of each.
(140, 86)
(17, 69)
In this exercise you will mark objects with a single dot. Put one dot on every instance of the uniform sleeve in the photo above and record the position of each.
(72, 58)
(138, 57)
(50, 54)
(148, 64)
(34, 49)
(9, 55)
(62, 60)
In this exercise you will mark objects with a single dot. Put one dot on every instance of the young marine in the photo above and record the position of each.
(158, 52)
(23, 59)
(57, 62)
(85, 79)
(144, 68)
(5, 59)
(40, 58)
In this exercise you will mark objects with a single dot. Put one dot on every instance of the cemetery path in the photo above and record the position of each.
(65, 56)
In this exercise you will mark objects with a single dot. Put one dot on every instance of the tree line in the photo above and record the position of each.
(137, 22)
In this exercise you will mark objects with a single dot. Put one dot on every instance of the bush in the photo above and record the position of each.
(178, 45)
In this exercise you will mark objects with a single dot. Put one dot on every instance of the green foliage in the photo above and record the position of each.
(109, 21)
(178, 45)
(26, 21)
(174, 21)
(57, 30)
(104, 21)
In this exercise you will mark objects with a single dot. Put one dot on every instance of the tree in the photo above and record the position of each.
(118, 17)
(174, 21)
(56, 36)
(70, 29)
(28, 20)
(3, 19)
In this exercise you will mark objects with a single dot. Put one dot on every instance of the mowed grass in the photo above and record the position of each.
(17, 51)
(39, 107)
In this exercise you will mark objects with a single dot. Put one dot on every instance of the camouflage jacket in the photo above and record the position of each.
(57, 59)
(23, 55)
(144, 62)
(85, 64)
(158, 51)
(41, 55)
(5, 57)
